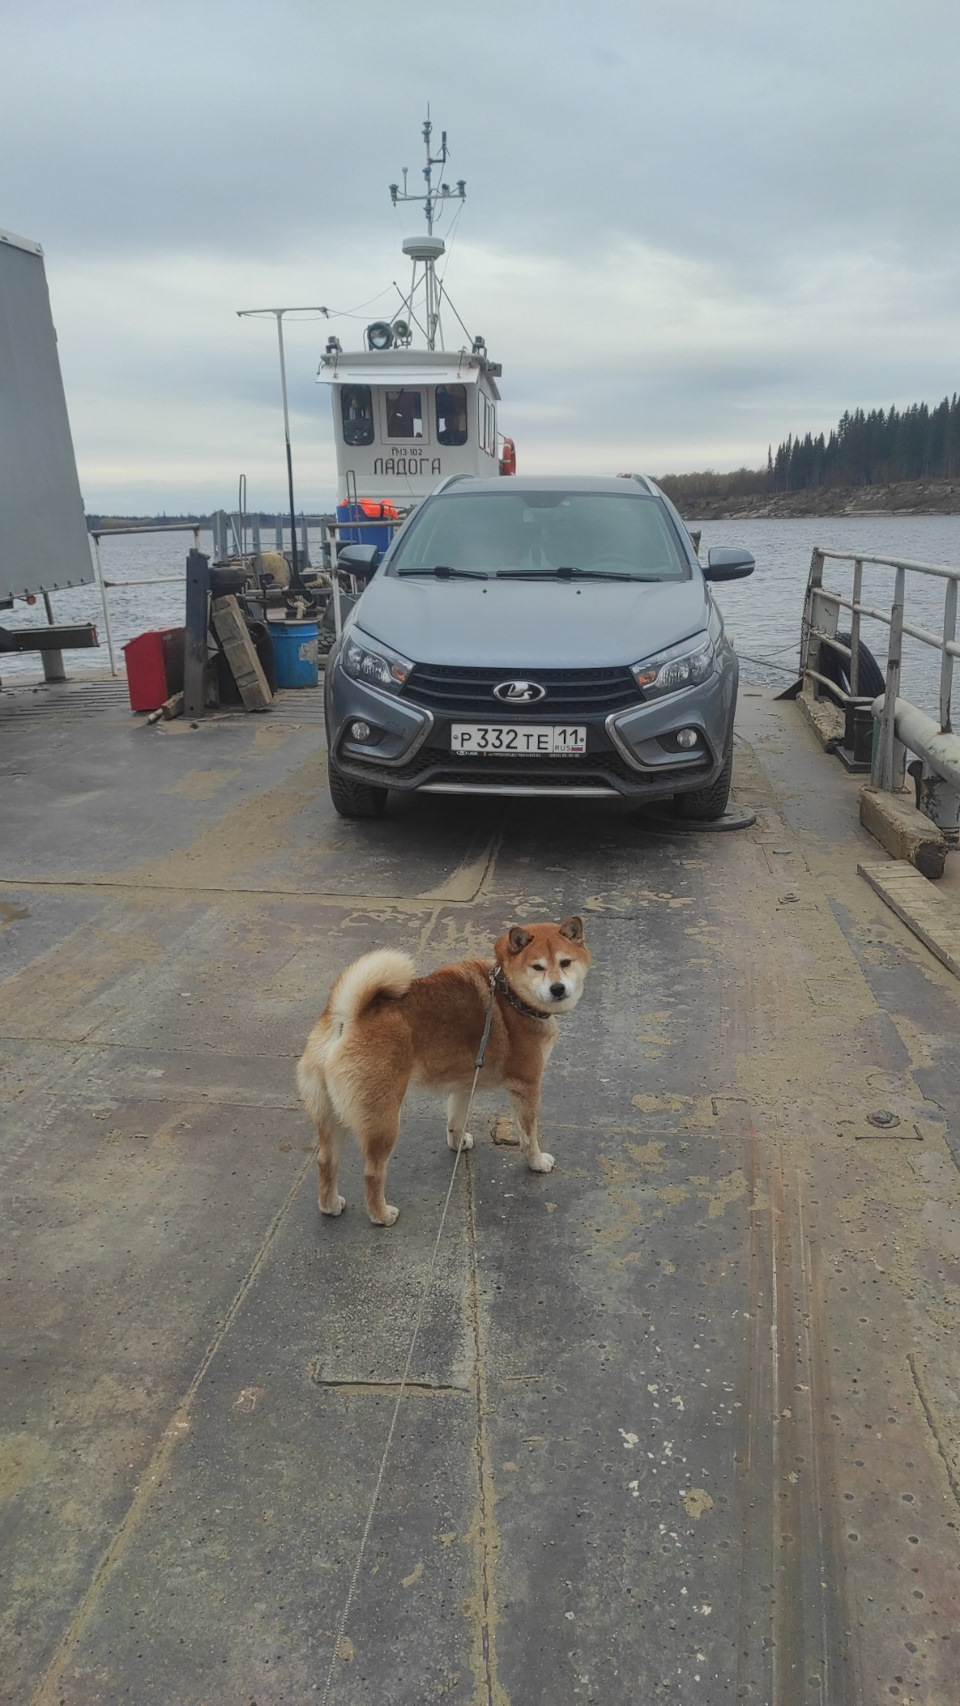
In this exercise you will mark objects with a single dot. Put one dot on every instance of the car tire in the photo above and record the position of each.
(711, 802)
(354, 799)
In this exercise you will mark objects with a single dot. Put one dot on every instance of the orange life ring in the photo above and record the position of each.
(508, 461)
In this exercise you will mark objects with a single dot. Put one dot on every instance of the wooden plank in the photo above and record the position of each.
(933, 917)
(57, 636)
(235, 639)
(894, 821)
(825, 718)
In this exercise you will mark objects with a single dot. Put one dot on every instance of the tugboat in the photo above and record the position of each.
(406, 417)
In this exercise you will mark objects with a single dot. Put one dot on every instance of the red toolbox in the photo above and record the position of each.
(154, 667)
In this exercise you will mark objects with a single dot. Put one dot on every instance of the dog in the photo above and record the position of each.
(383, 1026)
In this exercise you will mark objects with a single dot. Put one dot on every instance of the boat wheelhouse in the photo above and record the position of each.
(404, 417)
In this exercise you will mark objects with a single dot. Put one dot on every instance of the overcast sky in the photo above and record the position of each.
(691, 227)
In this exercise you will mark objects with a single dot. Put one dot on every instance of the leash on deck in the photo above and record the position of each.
(342, 1625)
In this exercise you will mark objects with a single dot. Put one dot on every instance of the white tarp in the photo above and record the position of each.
(43, 534)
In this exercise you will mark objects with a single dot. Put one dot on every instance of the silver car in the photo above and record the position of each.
(536, 636)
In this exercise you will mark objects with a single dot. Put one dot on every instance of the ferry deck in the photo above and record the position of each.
(682, 1422)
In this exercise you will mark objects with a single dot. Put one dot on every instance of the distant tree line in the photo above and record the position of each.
(865, 449)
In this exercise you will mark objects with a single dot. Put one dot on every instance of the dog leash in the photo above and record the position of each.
(495, 972)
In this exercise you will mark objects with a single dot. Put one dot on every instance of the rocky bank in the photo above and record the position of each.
(909, 497)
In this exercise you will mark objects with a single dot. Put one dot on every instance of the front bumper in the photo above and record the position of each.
(630, 752)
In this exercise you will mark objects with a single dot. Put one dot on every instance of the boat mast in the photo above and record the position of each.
(426, 251)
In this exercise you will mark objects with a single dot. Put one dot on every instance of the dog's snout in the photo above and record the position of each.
(558, 991)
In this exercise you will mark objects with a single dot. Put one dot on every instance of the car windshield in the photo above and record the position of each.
(539, 534)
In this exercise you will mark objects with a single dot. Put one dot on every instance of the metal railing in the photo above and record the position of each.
(99, 533)
(226, 526)
(902, 726)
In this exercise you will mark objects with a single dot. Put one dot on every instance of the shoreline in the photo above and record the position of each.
(907, 497)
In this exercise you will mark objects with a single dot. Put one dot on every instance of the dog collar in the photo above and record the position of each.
(499, 983)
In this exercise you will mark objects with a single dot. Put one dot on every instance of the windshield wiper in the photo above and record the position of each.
(566, 574)
(444, 572)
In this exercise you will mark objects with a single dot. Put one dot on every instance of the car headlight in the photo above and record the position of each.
(685, 665)
(372, 662)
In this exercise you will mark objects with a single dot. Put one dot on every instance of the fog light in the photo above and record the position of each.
(360, 731)
(687, 738)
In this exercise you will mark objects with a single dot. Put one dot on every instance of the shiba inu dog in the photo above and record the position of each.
(383, 1026)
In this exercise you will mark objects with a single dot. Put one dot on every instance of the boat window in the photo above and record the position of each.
(404, 414)
(487, 417)
(356, 409)
(452, 414)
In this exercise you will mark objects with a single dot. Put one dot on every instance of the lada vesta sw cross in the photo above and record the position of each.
(536, 636)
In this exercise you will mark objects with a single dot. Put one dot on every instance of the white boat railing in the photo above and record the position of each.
(98, 533)
(899, 725)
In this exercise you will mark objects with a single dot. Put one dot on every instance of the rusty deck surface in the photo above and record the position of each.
(683, 1416)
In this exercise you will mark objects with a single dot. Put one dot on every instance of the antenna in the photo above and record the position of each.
(426, 251)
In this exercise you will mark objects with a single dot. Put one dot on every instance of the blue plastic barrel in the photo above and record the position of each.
(295, 649)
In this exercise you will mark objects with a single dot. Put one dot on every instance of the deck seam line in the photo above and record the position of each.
(325, 897)
(928, 1411)
(486, 1495)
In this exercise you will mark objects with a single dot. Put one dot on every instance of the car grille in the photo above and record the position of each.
(450, 691)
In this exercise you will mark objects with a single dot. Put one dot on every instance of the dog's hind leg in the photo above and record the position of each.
(331, 1130)
(331, 1134)
(458, 1102)
(377, 1137)
(526, 1103)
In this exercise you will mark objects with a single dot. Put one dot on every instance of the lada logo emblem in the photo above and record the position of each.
(519, 692)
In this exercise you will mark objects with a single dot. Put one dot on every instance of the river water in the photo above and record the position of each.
(762, 613)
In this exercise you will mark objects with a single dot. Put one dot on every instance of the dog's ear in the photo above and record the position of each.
(518, 939)
(572, 928)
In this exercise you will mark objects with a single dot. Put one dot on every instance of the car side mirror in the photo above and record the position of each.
(728, 563)
(362, 561)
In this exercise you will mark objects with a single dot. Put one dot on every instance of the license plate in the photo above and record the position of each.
(520, 740)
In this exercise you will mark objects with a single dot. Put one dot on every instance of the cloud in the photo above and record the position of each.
(689, 230)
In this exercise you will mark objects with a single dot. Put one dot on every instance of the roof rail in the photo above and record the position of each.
(450, 480)
(642, 480)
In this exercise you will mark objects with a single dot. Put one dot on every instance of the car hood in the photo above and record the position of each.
(518, 624)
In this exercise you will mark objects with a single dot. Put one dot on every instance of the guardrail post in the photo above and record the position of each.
(889, 762)
(220, 542)
(809, 646)
(195, 635)
(855, 629)
(103, 600)
(946, 660)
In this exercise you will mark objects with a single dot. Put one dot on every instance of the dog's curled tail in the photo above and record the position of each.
(384, 972)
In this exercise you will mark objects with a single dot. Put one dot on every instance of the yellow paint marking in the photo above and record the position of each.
(695, 1502)
(647, 1154)
(728, 1190)
(201, 785)
(673, 1194)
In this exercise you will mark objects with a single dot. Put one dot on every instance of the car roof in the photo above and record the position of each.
(635, 484)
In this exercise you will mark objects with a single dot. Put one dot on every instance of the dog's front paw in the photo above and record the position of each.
(389, 1216)
(336, 1207)
(541, 1162)
(453, 1139)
